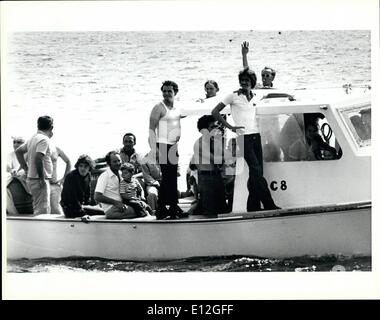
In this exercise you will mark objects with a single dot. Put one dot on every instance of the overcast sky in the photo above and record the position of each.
(188, 15)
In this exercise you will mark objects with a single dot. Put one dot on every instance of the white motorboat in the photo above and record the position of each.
(326, 203)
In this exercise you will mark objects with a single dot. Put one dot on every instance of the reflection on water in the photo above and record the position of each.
(206, 264)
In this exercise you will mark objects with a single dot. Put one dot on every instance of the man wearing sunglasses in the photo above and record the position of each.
(267, 74)
(267, 77)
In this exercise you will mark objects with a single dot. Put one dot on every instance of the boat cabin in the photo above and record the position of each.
(298, 176)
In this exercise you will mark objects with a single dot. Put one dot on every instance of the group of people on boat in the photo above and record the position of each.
(133, 185)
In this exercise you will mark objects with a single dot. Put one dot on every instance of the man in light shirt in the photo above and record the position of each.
(13, 166)
(243, 111)
(107, 190)
(38, 166)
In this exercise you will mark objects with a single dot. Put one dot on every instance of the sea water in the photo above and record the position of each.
(99, 85)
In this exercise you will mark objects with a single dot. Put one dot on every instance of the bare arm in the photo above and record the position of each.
(148, 179)
(138, 175)
(216, 113)
(244, 52)
(99, 197)
(67, 161)
(39, 165)
(155, 117)
(140, 190)
(40, 168)
(20, 151)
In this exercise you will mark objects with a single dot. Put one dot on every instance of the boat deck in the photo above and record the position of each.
(186, 203)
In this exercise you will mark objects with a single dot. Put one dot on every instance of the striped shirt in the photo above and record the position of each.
(132, 190)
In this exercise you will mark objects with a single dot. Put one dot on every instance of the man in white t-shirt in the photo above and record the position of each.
(38, 165)
(107, 190)
(243, 111)
(13, 166)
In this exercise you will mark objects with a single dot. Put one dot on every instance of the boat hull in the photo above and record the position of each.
(277, 234)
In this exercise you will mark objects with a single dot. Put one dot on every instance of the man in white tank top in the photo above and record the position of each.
(164, 133)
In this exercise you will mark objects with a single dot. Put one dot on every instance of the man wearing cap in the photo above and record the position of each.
(38, 166)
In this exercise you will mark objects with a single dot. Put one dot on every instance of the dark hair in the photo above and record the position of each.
(168, 83)
(129, 134)
(250, 74)
(312, 118)
(365, 111)
(108, 156)
(45, 123)
(214, 83)
(204, 121)
(84, 158)
(270, 70)
(127, 166)
(18, 139)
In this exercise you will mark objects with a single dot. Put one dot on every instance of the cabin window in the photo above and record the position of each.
(358, 119)
(297, 137)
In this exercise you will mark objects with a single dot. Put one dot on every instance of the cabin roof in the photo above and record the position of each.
(303, 101)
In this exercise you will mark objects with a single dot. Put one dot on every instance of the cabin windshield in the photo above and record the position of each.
(358, 119)
(297, 137)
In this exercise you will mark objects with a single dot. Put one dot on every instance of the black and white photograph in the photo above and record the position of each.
(230, 142)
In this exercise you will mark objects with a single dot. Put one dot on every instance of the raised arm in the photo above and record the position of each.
(244, 52)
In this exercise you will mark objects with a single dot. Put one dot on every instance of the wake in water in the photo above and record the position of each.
(208, 264)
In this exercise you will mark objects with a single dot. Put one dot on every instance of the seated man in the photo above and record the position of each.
(294, 131)
(311, 146)
(365, 115)
(107, 190)
(127, 154)
(317, 144)
(362, 124)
